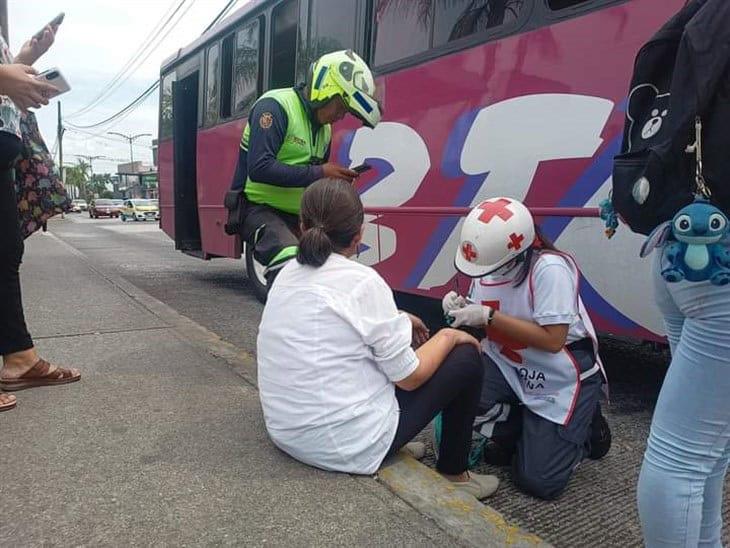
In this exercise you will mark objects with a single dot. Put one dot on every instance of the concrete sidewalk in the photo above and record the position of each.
(161, 442)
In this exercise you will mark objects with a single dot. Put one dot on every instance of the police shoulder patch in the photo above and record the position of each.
(266, 120)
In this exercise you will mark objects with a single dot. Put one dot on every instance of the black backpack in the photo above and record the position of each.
(681, 73)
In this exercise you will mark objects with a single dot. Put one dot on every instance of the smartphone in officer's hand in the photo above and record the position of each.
(55, 22)
(55, 78)
(362, 168)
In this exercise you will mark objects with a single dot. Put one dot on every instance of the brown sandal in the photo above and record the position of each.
(7, 406)
(40, 375)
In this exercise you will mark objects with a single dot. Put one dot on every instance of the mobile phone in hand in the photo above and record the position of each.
(55, 78)
(362, 168)
(56, 21)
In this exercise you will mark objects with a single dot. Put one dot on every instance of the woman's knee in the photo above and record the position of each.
(534, 481)
(467, 360)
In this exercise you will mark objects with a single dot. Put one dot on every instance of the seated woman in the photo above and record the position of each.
(540, 401)
(340, 385)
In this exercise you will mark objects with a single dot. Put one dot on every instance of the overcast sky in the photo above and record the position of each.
(95, 41)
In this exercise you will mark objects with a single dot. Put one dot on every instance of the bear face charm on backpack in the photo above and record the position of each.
(693, 245)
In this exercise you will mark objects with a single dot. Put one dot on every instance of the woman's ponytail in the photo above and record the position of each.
(331, 218)
(315, 247)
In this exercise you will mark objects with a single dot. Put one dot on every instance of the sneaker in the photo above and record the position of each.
(417, 449)
(600, 440)
(480, 486)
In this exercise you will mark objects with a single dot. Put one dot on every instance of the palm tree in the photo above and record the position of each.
(77, 175)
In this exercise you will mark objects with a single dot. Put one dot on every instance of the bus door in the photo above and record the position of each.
(185, 128)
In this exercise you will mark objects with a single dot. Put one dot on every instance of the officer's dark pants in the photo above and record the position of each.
(275, 236)
(545, 453)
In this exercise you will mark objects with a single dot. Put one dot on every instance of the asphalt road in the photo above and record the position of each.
(599, 507)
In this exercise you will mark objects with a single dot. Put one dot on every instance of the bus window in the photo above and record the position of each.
(246, 82)
(562, 4)
(211, 85)
(460, 18)
(166, 106)
(226, 76)
(284, 28)
(402, 29)
(332, 26)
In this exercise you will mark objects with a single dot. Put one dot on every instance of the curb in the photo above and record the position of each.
(461, 516)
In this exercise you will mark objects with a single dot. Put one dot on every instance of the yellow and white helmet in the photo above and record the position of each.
(344, 73)
(495, 232)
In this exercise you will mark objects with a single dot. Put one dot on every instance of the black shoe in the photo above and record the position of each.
(600, 440)
(497, 455)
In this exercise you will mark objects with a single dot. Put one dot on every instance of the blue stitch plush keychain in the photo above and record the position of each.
(694, 241)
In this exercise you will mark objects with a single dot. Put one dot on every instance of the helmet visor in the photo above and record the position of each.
(365, 107)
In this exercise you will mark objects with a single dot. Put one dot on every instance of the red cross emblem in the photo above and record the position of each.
(509, 347)
(495, 209)
(515, 241)
(468, 251)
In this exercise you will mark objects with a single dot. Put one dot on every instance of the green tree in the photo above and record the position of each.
(98, 185)
(78, 175)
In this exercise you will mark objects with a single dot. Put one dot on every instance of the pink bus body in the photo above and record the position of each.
(536, 115)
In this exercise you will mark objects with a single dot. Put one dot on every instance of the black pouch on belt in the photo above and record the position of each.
(235, 202)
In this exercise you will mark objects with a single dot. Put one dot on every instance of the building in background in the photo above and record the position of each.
(136, 180)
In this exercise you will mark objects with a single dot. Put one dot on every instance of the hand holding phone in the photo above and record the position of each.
(362, 168)
(55, 22)
(55, 78)
(39, 43)
(333, 171)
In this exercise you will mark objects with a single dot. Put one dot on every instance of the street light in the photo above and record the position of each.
(131, 139)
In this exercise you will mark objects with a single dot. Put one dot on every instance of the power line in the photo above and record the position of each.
(131, 106)
(153, 87)
(102, 135)
(151, 51)
(146, 43)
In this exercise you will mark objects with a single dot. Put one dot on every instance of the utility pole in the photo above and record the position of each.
(59, 136)
(130, 139)
(4, 20)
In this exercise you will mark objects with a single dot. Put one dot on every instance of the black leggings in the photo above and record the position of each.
(454, 390)
(14, 336)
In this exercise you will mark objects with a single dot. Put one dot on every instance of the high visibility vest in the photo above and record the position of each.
(298, 149)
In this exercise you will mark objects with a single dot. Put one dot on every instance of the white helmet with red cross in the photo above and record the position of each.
(495, 232)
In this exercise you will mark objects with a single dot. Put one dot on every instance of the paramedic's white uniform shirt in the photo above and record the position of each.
(330, 346)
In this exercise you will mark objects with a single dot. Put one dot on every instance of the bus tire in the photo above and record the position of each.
(255, 273)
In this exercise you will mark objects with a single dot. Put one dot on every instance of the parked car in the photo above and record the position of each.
(77, 206)
(104, 208)
(139, 209)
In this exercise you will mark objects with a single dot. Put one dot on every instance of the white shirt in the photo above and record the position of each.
(555, 288)
(547, 383)
(331, 345)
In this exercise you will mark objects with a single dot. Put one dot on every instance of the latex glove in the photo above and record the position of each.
(472, 315)
(452, 301)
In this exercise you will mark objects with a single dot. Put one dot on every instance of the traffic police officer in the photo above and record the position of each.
(285, 148)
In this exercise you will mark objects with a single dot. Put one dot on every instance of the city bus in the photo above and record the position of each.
(481, 98)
